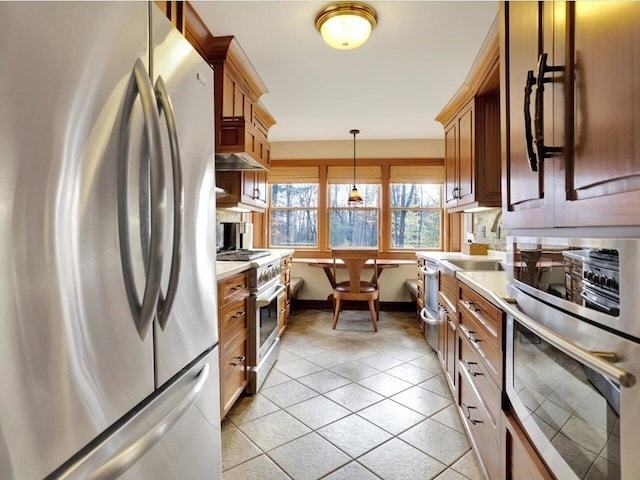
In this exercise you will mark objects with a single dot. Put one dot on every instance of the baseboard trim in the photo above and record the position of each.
(352, 305)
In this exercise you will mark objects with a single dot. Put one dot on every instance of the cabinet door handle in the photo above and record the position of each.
(239, 360)
(543, 69)
(256, 193)
(468, 365)
(469, 408)
(528, 135)
(454, 193)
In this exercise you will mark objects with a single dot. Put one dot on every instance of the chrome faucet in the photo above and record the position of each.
(494, 225)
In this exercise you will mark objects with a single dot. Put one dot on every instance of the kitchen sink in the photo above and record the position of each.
(474, 265)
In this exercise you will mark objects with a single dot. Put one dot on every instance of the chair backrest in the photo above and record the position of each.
(354, 260)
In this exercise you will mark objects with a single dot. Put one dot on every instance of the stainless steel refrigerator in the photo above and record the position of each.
(108, 327)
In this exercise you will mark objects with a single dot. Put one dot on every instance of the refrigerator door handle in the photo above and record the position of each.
(143, 313)
(128, 452)
(165, 106)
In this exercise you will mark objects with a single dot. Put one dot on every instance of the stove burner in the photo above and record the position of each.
(242, 255)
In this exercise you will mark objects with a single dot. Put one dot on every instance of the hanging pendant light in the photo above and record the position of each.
(355, 198)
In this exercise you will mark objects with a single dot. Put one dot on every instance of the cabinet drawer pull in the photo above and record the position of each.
(469, 408)
(238, 315)
(470, 305)
(236, 287)
(468, 365)
(239, 360)
(468, 334)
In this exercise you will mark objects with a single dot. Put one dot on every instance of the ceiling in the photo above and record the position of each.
(390, 88)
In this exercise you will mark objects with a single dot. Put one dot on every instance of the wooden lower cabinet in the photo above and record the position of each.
(520, 460)
(285, 279)
(482, 428)
(233, 326)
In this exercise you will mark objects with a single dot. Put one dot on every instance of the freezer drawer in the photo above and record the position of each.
(175, 435)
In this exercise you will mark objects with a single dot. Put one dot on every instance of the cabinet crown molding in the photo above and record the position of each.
(483, 77)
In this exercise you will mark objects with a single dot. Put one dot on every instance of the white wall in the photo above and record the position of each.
(316, 285)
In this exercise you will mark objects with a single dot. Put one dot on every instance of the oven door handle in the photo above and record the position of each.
(592, 361)
(266, 298)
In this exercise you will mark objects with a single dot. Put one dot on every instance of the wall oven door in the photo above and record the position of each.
(263, 334)
(572, 386)
(429, 313)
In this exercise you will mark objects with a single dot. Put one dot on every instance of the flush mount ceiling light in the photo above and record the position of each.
(355, 198)
(346, 25)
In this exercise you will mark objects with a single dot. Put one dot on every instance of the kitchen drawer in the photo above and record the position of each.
(234, 320)
(486, 346)
(233, 287)
(481, 378)
(449, 290)
(487, 315)
(233, 372)
(484, 433)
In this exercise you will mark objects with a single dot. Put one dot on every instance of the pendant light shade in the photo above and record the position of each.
(355, 198)
(346, 25)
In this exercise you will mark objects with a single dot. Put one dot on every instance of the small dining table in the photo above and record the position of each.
(327, 265)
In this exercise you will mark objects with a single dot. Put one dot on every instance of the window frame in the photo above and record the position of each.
(439, 209)
(299, 209)
(377, 209)
(384, 233)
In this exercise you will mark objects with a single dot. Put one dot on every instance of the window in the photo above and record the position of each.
(402, 209)
(353, 226)
(294, 215)
(416, 215)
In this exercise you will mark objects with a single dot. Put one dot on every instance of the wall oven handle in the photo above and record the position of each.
(267, 297)
(589, 359)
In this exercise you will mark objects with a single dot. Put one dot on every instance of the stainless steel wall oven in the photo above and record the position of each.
(573, 353)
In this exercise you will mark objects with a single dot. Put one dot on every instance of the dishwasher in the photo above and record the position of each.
(429, 312)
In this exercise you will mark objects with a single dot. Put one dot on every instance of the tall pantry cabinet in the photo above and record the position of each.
(570, 113)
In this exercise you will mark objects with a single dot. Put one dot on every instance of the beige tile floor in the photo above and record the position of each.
(349, 404)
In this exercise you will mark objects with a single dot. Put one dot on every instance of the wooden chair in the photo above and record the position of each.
(356, 289)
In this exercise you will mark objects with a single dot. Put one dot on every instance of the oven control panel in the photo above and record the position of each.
(269, 272)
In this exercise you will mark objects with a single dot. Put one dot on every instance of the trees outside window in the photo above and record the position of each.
(353, 226)
(294, 215)
(416, 215)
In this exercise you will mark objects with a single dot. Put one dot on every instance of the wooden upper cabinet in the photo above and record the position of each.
(241, 122)
(523, 34)
(601, 165)
(588, 113)
(472, 155)
(451, 164)
(471, 122)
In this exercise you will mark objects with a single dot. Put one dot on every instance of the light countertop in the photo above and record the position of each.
(491, 255)
(491, 285)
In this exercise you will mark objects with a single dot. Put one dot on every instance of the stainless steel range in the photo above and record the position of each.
(265, 312)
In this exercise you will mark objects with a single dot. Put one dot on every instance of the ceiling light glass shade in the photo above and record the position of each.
(354, 197)
(346, 25)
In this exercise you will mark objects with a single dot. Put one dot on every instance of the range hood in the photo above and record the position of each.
(226, 162)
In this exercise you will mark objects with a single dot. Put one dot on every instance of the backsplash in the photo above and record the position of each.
(487, 230)
(227, 216)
